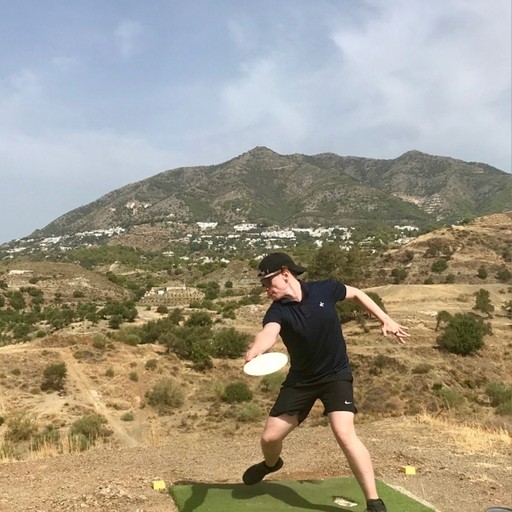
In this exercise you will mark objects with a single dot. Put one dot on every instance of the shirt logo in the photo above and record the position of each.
(321, 304)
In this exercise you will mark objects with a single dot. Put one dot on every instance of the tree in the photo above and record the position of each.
(463, 335)
(54, 377)
(333, 261)
(439, 266)
(483, 302)
(482, 272)
(199, 318)
(16, 300)
(442, 317)
(350, 310)
(507, 307)
(504, 275)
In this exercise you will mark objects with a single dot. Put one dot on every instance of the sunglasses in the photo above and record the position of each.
(267, 281)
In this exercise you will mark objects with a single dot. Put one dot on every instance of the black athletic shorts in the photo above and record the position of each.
(335, 395)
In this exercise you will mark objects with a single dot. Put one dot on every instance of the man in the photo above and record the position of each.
(304, 315)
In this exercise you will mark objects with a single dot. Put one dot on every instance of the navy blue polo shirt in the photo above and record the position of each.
(311, 332)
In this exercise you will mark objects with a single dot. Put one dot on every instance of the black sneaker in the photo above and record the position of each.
(375, 506)
(258, 472)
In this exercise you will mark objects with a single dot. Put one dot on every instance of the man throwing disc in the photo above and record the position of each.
(304, 315)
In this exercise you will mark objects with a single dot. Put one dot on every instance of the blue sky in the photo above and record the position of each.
(96, 94)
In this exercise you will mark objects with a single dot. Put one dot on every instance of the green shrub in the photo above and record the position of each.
(498, 393)
(483, 302)
(99, 341)
(236, 392)
(165, 396)
(398, 275)
(482, 273)
(248, 412)
(505, 409)
(91, 426)
(20, 427)
(504, 275)
(54, 377)
(134, 376)
(163, 310)
(229, 343)
(450, 397)
(422, 368)
(439, 266)
(110, 372)
(127, 416)
(272, 383)
(199, 319)
(151, 364)
(463, 335)
(50, 436)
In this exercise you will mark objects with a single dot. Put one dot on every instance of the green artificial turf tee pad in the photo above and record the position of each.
(286, 495)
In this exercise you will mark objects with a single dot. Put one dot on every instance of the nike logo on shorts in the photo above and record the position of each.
(347, 403)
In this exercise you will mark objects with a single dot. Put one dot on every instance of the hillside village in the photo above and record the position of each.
(237, 236)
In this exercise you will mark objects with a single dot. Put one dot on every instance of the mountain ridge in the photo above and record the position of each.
(267, 188)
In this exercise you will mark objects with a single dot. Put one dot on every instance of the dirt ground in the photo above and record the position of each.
(120, 479)
(458, 467)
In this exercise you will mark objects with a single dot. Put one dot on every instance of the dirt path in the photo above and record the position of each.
(85, 393)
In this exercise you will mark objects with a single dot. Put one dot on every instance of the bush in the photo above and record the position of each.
(54, 377)
(504, 275)
(422, 368)
(483, 302)
(248, 412)
(398, 275)
(165, 396)
(151, 364)
(229, 343)
(498, 393)
(236, 392)
(350, 310)
(272, 383)
(127, 416)
(20, 427)
(193, 343)
(450, 397)
(482, 273)
(439, 266)
(463, 335)
(199, 319)
(91, 427)
(99, 341)
(50, 436)
(505, 409)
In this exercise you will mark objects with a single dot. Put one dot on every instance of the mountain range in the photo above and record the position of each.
(266, 188)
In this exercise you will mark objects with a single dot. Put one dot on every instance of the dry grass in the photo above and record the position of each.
(469, 438)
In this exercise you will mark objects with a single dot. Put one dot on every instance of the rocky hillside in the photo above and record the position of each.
(477, 252)
(267, 188)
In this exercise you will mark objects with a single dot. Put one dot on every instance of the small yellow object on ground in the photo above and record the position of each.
(158, 485)
(409, 470)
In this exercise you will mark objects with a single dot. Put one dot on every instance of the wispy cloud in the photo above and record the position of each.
(121, 92)
(128, 37)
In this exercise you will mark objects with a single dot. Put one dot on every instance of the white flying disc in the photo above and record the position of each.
(264, 364)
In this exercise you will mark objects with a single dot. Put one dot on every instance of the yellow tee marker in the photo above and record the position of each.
(409, 470)
(158, 485)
